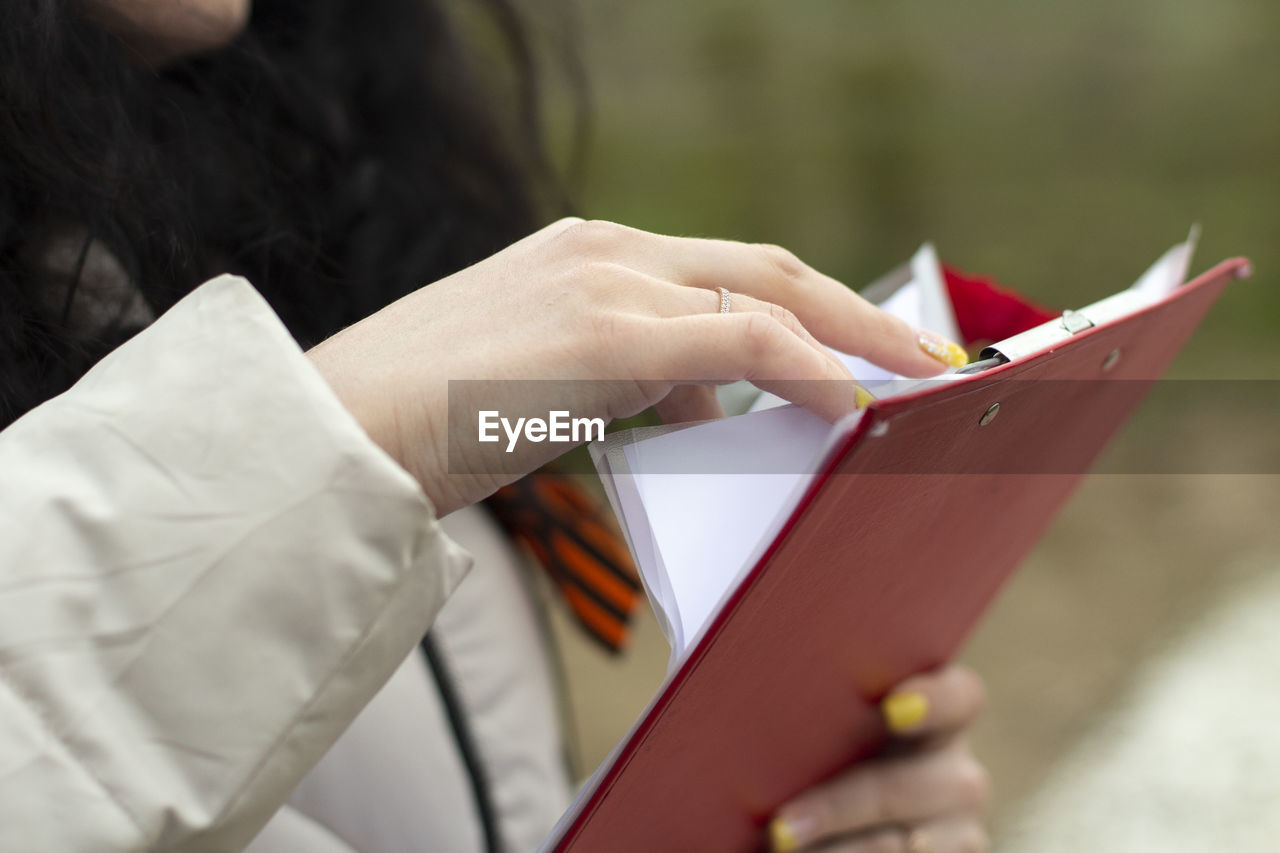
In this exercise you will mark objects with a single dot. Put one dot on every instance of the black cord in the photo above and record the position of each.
(466, 742)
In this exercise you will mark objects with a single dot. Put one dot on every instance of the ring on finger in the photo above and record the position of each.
(725, 300)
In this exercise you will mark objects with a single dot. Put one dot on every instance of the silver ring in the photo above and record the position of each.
(724, 300)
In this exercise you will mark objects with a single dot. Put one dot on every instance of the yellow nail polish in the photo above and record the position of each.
(948, 352)
(781, 836)
(903, 712)
(862, 397)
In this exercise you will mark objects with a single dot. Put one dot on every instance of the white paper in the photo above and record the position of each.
(1170, 271)
(704, 526)
(700, 504)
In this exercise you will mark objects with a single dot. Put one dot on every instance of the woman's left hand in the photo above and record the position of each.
(925, 794)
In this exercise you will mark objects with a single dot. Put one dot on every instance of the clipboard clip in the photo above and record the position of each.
(1071, 322)
(1075, 322)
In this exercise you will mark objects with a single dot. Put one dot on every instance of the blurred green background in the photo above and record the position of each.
(1058, 147)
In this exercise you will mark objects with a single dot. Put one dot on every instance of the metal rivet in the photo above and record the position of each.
(989, 415)
(1112, 359)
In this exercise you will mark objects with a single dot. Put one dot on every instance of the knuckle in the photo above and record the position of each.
(784, 316)
(974, 782)
(593, 235)
(892, 801)
(783, 260)
(597, 276)
(564, 222)
(825, 812)
(610, 330)
(762, 333)
(974, 840)
(871, 795)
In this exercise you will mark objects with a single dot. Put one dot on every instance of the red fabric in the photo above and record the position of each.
(986, 312)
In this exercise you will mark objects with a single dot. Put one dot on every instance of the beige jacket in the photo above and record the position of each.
(207, 570)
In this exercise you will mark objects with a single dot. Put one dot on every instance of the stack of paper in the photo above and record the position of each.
(700, 503)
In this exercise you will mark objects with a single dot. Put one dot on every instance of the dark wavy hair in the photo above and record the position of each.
(339, 154)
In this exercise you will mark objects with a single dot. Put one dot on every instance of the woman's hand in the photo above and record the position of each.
(620, 320)
(927, 794)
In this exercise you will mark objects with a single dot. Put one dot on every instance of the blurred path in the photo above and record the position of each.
(1190, 760)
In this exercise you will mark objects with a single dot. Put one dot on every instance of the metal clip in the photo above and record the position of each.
(1075, 322)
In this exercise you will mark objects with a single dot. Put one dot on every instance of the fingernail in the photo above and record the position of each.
(905, 711)
(789, 833)
(936, 346)
(862, 397)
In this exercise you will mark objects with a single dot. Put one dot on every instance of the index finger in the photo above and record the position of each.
(833, 313)
(717, 348)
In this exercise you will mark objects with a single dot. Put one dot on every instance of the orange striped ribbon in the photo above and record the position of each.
(579, 547)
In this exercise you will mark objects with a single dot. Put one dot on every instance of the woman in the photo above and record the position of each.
(165, 689)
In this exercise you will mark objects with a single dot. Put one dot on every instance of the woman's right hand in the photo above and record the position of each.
(621, 319)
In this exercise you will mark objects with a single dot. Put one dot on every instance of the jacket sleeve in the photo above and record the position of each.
(206, 570)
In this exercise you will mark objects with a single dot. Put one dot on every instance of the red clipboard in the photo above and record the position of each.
(888, 562)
